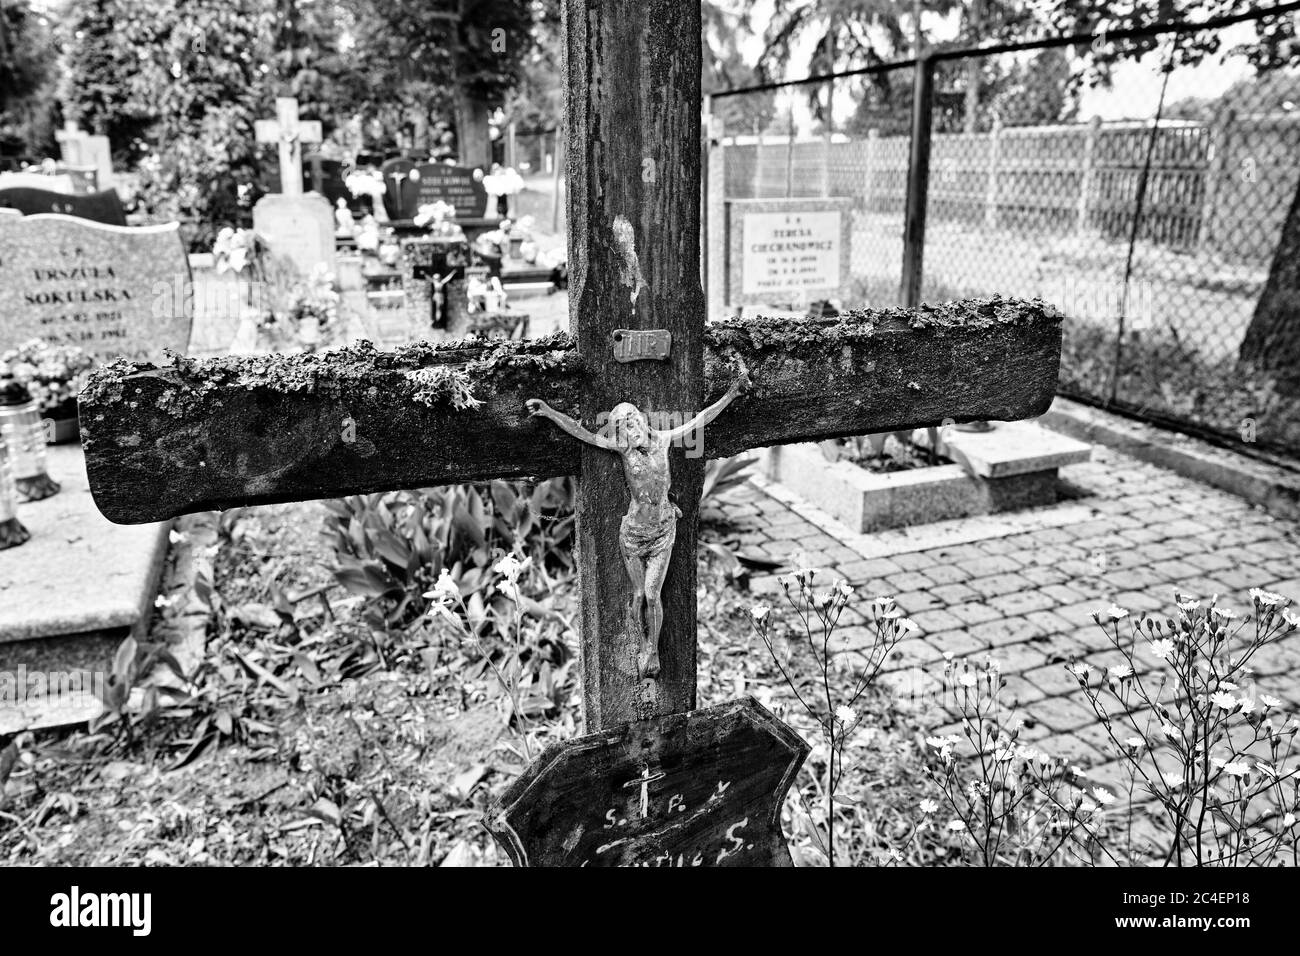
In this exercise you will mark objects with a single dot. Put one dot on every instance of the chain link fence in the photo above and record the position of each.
(1148, 209)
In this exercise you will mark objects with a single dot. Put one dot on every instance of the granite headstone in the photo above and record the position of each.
(299, 229)
(401, 197)
(456, 185)
(115, 291)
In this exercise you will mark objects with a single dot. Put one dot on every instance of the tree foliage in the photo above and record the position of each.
(27, 55)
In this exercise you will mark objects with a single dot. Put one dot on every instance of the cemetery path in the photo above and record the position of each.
(1026, 597)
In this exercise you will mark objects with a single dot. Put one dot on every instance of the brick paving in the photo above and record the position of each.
(1026, 597)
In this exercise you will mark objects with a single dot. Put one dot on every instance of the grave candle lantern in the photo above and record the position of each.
(12, 533)
(24, 434)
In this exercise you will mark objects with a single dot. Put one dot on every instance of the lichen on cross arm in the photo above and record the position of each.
(443, 383)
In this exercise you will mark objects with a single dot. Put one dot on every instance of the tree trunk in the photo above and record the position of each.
(1272, 340)
(472, 140)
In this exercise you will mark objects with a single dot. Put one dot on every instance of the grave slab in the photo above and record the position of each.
(79, 574)
(1015, 448)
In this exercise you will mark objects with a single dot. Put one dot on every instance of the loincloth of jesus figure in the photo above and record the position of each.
(649, 529)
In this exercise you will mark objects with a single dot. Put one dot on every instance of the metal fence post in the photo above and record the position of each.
(918, 182)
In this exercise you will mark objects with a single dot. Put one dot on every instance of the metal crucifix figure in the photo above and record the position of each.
(649, 528)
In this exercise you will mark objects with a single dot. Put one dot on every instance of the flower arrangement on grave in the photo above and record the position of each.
(237, 250)
(369, 184)
(502, 181)
(436, 218)
(310, 318)
(53, 374)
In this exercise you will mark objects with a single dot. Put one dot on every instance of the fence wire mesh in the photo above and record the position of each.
(1147, 209)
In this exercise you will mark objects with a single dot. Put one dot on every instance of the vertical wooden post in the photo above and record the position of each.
(869, 174)
(633, 71)
(1087, 177)
(991, 185)
(1216, 169)
(918, 183)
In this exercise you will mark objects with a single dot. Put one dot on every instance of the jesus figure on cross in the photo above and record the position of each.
(649, 528)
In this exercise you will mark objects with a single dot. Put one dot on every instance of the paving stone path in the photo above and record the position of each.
(1129, 534)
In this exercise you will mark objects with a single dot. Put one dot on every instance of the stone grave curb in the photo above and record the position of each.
(1010, 468)
(1274, 488)
(939, 534)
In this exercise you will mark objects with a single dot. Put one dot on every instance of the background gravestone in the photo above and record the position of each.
(401, 199)
(451, 184)
(117, 292)
(297, 228)
(702, 788)
(104, 206)
(787, 250)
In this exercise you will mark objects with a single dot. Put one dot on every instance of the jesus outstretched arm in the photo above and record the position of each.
(539, 408)
(742, 384)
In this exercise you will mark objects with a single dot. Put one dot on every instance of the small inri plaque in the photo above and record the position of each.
(633, 345)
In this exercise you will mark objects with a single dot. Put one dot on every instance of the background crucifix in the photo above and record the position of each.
(288, 133)
(237, 431)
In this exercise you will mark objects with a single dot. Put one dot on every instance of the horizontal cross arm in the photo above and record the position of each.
(195, 436)
(880, 371)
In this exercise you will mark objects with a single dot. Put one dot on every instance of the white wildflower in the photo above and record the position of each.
(846, 714)
(1224, 699)
(1268, 701)
(1236, 768)
(1119, 672)
(759, 613)
(444, 589)
(1114, 613)
(1161, 648)
(1266, 598)
(1104, 797)
(510, 567)
(929, 807)
(956, 826)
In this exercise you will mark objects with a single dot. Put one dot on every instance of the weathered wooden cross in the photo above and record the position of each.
(707, 785)
(288, 133)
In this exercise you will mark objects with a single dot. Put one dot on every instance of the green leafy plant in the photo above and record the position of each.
(392, 547)
(132, 665)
